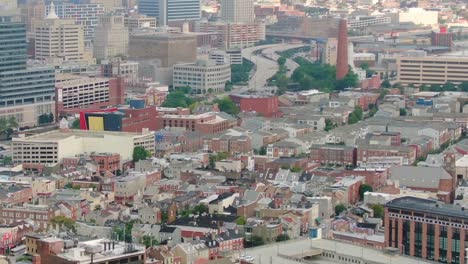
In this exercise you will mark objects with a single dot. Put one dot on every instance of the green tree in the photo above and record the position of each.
(363, 189)
(227, 105)
(329, 124)
(295, 169)
(7, 160)
(464, 86)
(200, 209)
(140, 153)
(403, 112)
(255, 241)
(282, 237)
(51, 118)
(212, 161)
(149, 241)
(64, 222)
(435, 88)
(339, 208)
(97, 207)
(355, 116)
(177, 99)
(43, 119)
(373, 109)
(122, 235)
(12, 122)
(241, 221)
(378, 210)
(350, 80)
(68, 185)
(281, 61)
(263, 151)
(76, 124)
(228, 86)
(386, 84)
(383, 93)
(210, 90)
(448, 86)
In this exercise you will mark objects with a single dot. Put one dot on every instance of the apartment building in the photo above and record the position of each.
(427, 229)
(333, 154)
(40, 214)
(52, 147)
(202, 76)
(431, 70)
(365, 152)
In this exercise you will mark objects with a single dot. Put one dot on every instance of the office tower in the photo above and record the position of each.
(167, 11)
(109, 5)
(427, 229)
(58, 40)
(342, 66)
(110, 37)
(86, 15)
(237, 11)
(25, 92)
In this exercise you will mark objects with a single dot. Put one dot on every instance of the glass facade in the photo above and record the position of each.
(20, 84)
(13, 54)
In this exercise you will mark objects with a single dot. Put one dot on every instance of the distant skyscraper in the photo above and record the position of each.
(7, 4)
(167, 11)
(342, 66)
(58, 40)
(110, 37)
(237, 11)
(25, 92)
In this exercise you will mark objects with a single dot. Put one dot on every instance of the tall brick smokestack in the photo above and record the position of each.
(342, 54)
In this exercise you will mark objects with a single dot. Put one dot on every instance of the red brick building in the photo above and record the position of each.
(106, 161)
(364, 152)
(15, 194)
(40, 213)
(335, 154)
(227, 143)
(13, 234)
(265, 105)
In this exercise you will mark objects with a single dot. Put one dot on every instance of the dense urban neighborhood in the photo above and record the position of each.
(233, 131)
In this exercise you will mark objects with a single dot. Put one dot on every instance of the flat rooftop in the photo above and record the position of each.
(268, 253)
(58, 135)
(428, 206)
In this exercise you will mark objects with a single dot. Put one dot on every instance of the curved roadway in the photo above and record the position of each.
(265, 59)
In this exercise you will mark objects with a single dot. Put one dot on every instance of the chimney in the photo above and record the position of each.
(342, 66)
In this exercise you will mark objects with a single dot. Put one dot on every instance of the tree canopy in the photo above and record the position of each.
(227, 105)
(140, 153)
(363, 189)
(339, 208)
(177, 99)
(355, 116)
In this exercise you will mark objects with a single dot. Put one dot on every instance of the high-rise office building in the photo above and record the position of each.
(58, 40)
(237, 11)
(167, 11)
(342, 66)
(86, 15)
(31, 14)
(110, 37)
(25, 92)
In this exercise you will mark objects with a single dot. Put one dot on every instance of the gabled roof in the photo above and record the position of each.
(419, 177)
